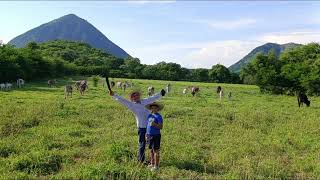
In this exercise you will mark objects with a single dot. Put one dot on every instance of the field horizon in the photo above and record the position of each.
(250, 136)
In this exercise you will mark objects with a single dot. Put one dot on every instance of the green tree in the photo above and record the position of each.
(219, 73)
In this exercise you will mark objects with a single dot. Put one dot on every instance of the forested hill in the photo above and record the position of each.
(81, 54)
(73, 28)
(63, 58)
(264, 49)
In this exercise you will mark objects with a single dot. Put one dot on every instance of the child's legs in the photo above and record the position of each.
(156, 149)
(142, 144)
(157, 157)
(152, 158)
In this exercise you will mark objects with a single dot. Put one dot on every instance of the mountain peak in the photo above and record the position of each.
(264, 49)
(70, 17)
(72, 28)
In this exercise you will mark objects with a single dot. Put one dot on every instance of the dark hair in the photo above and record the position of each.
(154, 105)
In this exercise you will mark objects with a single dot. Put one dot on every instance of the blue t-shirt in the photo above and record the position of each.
(157, 118)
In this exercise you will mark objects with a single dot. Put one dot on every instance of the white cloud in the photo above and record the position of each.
(229, 24)
(221, 52)
(197, 55)
(228, 52)
(299, 36)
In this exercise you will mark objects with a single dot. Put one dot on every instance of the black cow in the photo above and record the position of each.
(218, 89)
(303, 98)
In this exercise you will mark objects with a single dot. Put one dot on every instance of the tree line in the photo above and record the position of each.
(62, 58)
(295, 70)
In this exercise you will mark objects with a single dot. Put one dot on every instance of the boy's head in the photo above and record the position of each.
(154, 107)
(135, 96)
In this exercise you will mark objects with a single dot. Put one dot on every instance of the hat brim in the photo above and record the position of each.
(160, 106)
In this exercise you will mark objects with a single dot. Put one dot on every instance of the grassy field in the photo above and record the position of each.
(252, 135)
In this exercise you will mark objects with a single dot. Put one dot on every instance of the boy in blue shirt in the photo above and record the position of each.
(153, 135)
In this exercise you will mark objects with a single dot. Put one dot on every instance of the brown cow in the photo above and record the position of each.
(194, 90)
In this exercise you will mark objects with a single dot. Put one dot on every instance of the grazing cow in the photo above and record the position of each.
(67, 91)
(185, 91)
(303, 98)
(83, 86)
(219, 89)
(2, 86)
(194, 90)
(20, 83)
(168, 87)
(119, 85)
(112, 83)
(150, 91)
(125, 85)
(77, 85)
(8, 86)
(221, 94)
(52, 83)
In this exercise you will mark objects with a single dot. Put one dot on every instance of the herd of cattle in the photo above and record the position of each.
(7, 86)
(82, 86)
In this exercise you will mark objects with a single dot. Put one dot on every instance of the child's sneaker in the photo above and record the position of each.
(150, 166)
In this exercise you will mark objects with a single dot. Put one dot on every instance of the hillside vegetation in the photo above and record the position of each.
(264, 49)
(295, 70)
(253, 135)
(63, 58)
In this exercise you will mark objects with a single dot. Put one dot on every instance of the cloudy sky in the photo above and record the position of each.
(193, 34)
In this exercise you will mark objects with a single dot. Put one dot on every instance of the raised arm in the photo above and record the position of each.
(151, 99)
(154, 98)
(123, 101)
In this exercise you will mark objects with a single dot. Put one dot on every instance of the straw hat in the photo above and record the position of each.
(160, 106)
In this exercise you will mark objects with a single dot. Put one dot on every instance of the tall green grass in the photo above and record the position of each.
(251, 136)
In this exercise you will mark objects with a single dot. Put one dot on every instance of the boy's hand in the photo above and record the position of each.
(162, 92)
(111, 93)
(154, 124)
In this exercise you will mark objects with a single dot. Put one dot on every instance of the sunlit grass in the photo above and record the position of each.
(252, 135)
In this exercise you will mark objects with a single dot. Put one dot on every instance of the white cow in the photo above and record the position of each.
(2, 86)
(150, 91)
(185, 91)
(168, 88)
(221, 94)
(119, 85)
(8, 86)
(20, 83)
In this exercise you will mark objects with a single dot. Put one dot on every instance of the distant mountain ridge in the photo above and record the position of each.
(264, 49)
(69, 27)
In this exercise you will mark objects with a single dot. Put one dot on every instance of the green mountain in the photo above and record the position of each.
(71, 28)
(264, 49)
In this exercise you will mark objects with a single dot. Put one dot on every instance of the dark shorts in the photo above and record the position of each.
(154, 141)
